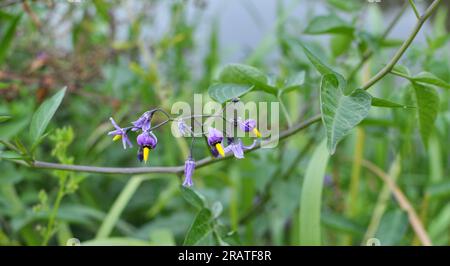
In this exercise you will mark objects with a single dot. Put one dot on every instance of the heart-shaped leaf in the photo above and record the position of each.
(341, 113)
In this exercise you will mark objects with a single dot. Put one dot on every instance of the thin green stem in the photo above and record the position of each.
(383, 72)
(393, 72)
(52, 218)
(414, 7)
(368, 54)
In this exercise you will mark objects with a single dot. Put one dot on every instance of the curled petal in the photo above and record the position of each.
(189, 167)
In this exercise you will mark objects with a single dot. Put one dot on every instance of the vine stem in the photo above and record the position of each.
(384, 71)
(167, 169)
(285, 134)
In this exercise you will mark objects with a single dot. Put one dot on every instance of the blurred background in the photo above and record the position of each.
(121, 58)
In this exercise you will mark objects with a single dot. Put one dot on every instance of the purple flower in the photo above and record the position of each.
(189, 167)
(144, 122)
(237, 148)
(183, 128)
(250, 125)
(146, 141)
(215, 138)
(120, 133)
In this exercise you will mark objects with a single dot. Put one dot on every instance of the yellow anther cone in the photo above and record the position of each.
(257, 133)
(145, 153)
(220, 149)
(117, 137)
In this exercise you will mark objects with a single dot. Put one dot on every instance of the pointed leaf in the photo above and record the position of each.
(341, 113)
(294, 82)
(427, 100)
(429, 78)
(223, 92)
(4, 118)
(44, 114)
(200, 228)
(246, 75)
(194, 198)
(329, 24)
(323, 68)
(386, 103)
(6, 39)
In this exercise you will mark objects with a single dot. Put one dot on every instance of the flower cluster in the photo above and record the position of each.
(234, 145)
(147, 140)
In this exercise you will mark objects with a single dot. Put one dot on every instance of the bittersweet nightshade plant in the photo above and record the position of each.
(346, 107)
(147, 140)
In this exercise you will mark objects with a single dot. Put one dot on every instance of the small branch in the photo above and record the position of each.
(165, 169)
(400, 74)
(413, 5)
(369, 53)
(403, 201)
(383, 72)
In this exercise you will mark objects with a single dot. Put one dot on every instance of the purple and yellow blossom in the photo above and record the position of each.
(237, 148)
(189, 166)
(250, 125)
(146, 141)
(120, 133)
(144, 122)
(215, 138)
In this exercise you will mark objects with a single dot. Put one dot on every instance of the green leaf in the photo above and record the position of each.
(200, 228)
(311, 197)
(118, 206)
(223, 92)
(193, 197)
(348, 5)
(328, 24)
(439, 190)
(392, 227)
(341, 224)
(44, 114)
(427, 102)
(294, 82)
(7, 37)
(245, 75)
(340, 43)
(386, 103)
(402, 70)
(321, 67)
(429, 78)
(4, 118)
(341, 113)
